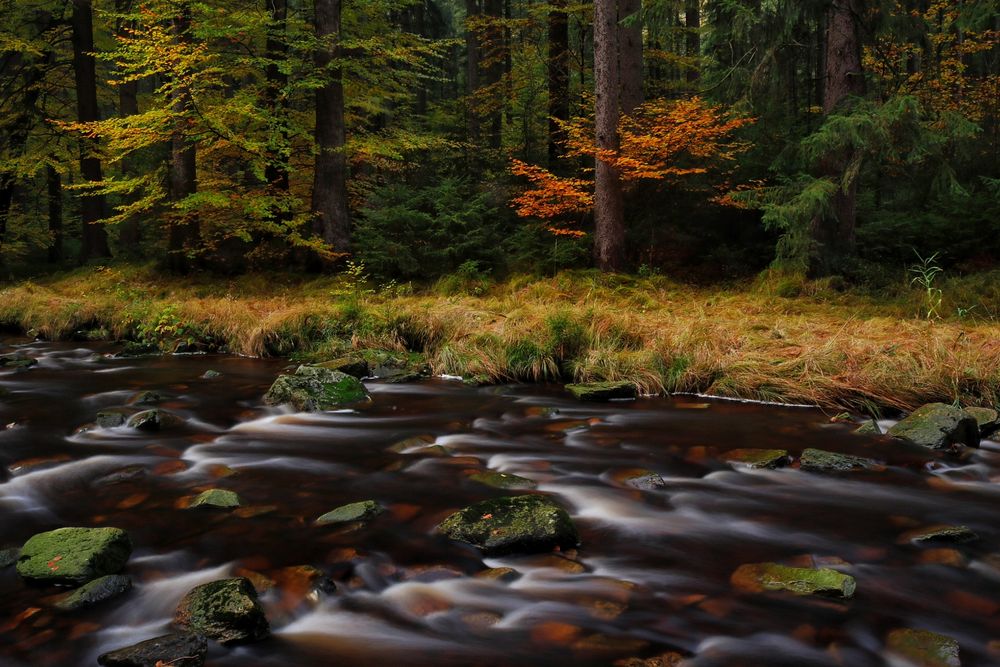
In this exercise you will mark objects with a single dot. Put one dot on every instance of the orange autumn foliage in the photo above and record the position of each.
(663, 140)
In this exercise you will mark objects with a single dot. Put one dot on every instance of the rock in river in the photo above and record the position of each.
(603, 391)
(940, 534)
(503, 480)
(924, 648)
(98, 590)
(938, 426)
(988, 420)
(313, 389)
(521, 524)
(818, 460)
(756, 459)
(366, 510)
(226, 610)
(183, 649)
(111, 418)
(760, 577)
(216, 498)
(153, 420)
(74, 555)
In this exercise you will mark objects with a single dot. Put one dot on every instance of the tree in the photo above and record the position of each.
(275, 99)
(558, 76)
(185, 232)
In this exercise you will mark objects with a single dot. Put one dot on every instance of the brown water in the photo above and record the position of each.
(651, 576)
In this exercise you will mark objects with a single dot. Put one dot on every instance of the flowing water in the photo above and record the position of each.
(652, 574)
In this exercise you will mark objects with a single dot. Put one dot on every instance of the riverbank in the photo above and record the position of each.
(778, 339)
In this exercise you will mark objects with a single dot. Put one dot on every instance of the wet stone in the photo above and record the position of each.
(760, 577)
(938, 535)
(96, 591)
(126, 474)
(17, 362)
(644, 480)
(366, 510)
(220, 498)
(603, 391)
(315, 389)
(74, 555)
(111, 418)
(9, 556)
(210, 375)
(756, 459)
(512, 524)
(153, 420)
(503, 480)
(350, 365)
(504, 574)
(226, 610)
(938, 426)
(988, 420)
(923, 648)
(870, 427)
(148, 397)
(818, 460)
(184, 649)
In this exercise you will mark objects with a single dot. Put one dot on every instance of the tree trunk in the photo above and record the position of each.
(329, 199)
(692, 24)
(472, 57)
(92, 208)
(276, 48)
(184, 232)
(630, 54)
(559, 63)
(834, 237)
(54, 182)
(494, 70)
(130, 234)
(609, 205)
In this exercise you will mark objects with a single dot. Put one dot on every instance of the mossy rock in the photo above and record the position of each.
(924, 648)
(512, 524)
(17, 363)
(756, 459)
(226, 610)
(938, 426)
(111, 418)
(870, 427)
(365, 510)
(603, 391)
(314, 389)
(182, 649)
(988, 420)
(819, 460)
(761, 577)
(153, 420)
(350, 365)
(148, 397)
(220, 498)
(210, 375)
(74, 555)
(96, 591)
(942, 534)
(134, 348)
(503, 480)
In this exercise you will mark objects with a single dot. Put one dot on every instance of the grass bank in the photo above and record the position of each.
(778, 339)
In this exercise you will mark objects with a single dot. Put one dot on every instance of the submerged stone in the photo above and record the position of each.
(938, 426)
(756, 459)
(760, 577)
(603, 391)
(988, 420)
(153, 420)
(98, 590)
(502, 574)
(523, 524)
(644, 480)
(314, 389)
(924, 648)
(216, 498)
(111, 418)
(183, 649)
(366, 510)
(74, 555)
(503, 480)
(819, 460)
(939, 535)
(226, 610)
(870, 427)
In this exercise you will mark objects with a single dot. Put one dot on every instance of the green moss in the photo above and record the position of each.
(365, 510)
(759, 577)
(312, 388)
(603, 391)
(818, 460)
(523, 524)
(216, 498)
(74, 555)
(226, 610)
(938, 426)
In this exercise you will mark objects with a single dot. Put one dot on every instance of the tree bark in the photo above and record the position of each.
(329, 200)
(184, 232)
(609, 205)
(276, 49)
(94, 238)
(692, 24)
(834, 236)
(54, 186)
(558, 72)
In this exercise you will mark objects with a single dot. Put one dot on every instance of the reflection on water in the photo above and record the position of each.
(651, 576)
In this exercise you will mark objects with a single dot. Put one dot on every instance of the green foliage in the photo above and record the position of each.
(925, 273)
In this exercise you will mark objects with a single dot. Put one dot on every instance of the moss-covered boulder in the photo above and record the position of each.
(819, 460)
(74, 555)
(938, 426)
(756, 459)
(503, 480)
(313, 389)
(153, 420)
(111, 418)
(220, 498)
(512, 524)
(988, 420)
(226, 610)
(761, 577)
(182, 649)
(923, 648)
(603, 391)
(96, 591)
(17, 362)
(351, 365)
(365, 510)
(869, 427)
(940, 534)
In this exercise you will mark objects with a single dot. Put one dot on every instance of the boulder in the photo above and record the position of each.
(512, 524)
(760, 577)
(503, 480)
(870, 427)
(603, 391)
(938, 535)
(366, 510)
(226, 610)
(938, 426)
(216, 498)
(644, 480)
(988, 420)
(111, 418)
(923, 648)
(183, 649)
(819, 460)
(756, 459)
(153, 420)
(353, 366)
(148, 397)
(74, 555)
(98, 590)
(9, 556)
(17, 363)
(313, 389)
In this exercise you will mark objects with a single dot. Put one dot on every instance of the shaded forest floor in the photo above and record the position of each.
(778, 338)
